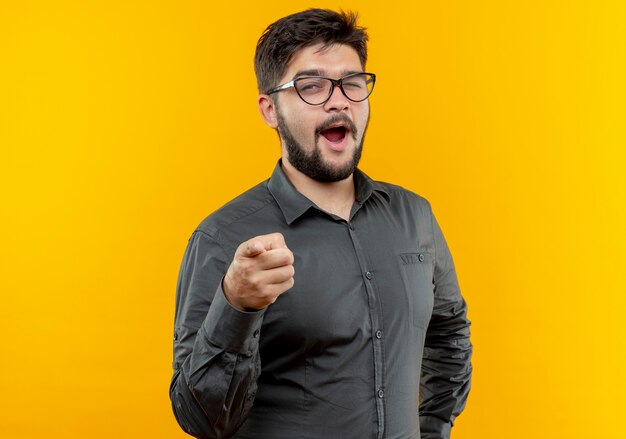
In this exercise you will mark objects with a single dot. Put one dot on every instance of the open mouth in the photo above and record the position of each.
(335, 134)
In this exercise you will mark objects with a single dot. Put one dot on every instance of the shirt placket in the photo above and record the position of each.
(368, 275)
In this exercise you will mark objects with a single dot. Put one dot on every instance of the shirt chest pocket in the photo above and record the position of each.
(418, 278)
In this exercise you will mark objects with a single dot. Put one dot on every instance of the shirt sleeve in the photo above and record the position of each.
(216, 347)
(446, 365)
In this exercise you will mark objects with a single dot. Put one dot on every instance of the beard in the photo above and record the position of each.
(313, 165)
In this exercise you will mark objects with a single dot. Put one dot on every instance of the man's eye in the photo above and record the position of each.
(354, 85)
(310, 86)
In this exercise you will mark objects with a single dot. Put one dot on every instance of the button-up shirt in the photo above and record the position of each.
(372, 341)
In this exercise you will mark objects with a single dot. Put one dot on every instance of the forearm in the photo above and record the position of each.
(214, 387)
(223, 409)
(446, 363)
(446, 373)
(214, 401)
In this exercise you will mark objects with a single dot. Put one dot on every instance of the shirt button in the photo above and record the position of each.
(381, 393)
(368, 275)
(379, 334)
(256, 333)
(421, 257)
(351, 226)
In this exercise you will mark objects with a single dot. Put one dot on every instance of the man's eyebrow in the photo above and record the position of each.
(317, 72)
(310, 72)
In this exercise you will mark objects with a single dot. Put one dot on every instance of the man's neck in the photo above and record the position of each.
(336, 198)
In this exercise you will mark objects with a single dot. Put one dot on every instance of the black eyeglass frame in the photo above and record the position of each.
(335, 82)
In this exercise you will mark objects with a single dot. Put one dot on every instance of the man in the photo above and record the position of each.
(320, 303)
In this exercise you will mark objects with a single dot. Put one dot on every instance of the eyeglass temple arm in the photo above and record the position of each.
(281, 87)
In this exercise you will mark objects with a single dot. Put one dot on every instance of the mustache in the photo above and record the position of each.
(334, 119)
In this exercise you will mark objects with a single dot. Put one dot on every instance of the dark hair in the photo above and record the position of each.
(283, 38)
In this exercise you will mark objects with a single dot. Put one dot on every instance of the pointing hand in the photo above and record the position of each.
(262, 269)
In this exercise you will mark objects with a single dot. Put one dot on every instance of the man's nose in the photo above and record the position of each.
(337, 101)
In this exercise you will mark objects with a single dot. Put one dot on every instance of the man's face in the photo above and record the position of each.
(324, 142)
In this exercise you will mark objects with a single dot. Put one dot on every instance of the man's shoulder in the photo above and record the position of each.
(400, 195)
(248, 204)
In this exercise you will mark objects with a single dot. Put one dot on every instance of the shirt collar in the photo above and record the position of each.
(293, 204)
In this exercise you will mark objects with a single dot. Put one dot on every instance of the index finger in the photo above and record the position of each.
(251, 248)
(259, 244)
(273, 240)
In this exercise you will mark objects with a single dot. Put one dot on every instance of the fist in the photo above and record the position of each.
(261, 270)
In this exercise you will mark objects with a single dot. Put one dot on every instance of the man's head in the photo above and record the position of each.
(282, 39)
(321, 139)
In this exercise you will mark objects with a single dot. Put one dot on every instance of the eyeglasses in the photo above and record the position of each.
(317, 90)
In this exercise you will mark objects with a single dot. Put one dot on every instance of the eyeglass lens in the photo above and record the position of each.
(317, 90)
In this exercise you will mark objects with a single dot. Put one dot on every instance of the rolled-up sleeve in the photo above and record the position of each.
(446, 365)
(216, 347)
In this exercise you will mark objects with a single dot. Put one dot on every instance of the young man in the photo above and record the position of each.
(320, 303)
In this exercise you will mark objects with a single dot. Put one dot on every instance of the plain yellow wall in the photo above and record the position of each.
(124, 123)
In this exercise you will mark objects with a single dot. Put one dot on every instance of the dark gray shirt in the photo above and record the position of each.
(373, 333)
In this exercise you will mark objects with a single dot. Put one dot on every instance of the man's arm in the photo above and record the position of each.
(446, 366)
(216, 354)
(217, 329)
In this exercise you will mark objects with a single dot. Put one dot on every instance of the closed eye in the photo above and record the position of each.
(354, 85)
(309, 87)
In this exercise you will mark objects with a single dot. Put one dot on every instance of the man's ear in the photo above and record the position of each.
(268, 110)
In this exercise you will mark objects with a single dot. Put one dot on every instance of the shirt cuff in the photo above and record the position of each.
(233, 330)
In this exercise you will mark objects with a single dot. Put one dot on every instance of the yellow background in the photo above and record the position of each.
(124, 123)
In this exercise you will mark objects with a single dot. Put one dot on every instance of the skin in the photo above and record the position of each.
(262, 268)
(302, 119)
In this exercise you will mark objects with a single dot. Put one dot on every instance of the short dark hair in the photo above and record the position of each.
(283, 38)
